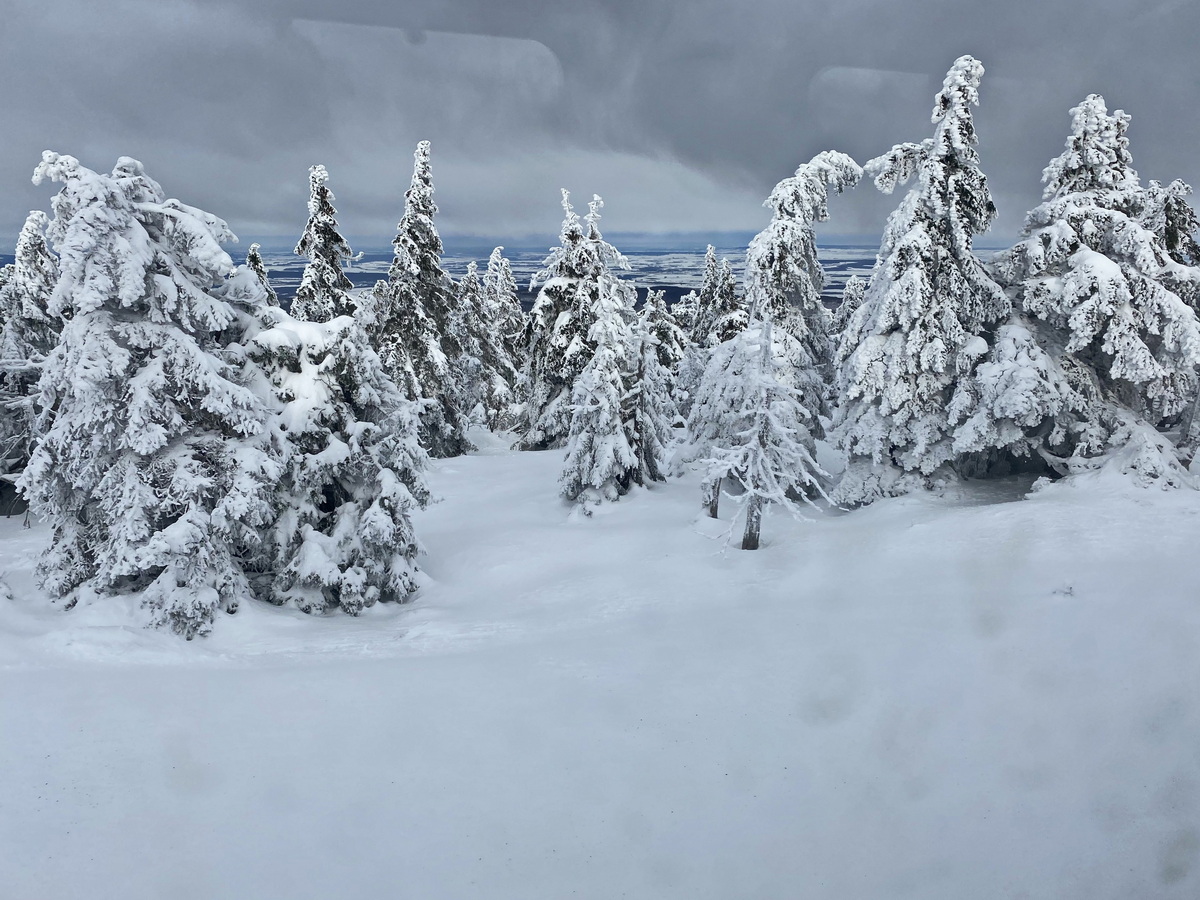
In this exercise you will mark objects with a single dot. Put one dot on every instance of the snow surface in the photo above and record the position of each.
(956, 697)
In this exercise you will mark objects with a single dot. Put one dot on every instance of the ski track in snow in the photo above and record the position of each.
(949, 697)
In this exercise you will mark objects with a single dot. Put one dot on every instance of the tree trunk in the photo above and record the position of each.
(753, 523)
(710, 493)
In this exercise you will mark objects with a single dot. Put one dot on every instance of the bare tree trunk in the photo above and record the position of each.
(710, 496)
(753, 523)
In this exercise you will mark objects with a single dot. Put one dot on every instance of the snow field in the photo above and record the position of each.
(928, 698)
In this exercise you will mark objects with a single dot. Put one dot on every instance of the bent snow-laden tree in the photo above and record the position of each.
(324, 288)
(352, 470)
(1105, 290)
(411, 313)
(784, 278)
(142, 471)
(572, 278)
(254, 262)
(928, 302)
(28, 332)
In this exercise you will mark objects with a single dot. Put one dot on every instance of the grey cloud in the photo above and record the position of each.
(683, 112)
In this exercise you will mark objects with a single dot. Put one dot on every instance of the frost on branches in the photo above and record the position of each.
(601, 460)
(142, 472)
(1094, 268)
(650, 411)
(748, 424)
(324, 288)
(573, 279)
(784, 278)
(345, 440)
(502, 307)
(28, 332)
(411, 312)
(928, 301)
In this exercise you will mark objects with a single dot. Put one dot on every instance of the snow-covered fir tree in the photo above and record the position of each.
(784, 278)
(1106, 293)
(720, 312)
(502, 307)
(411, 315)
(928, 302)
(601, 459)
(142, 469)
(324, 288)
(853, 293)
(684, 310)
(254, 262)
(484, 371)
(572, 278)
(650, 411)
(352, 471)
(659, 321)
(28, 332)
(748, 424)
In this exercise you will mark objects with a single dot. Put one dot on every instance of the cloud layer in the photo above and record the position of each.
(682, 113)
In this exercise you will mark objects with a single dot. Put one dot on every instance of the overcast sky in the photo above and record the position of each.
(681, 113)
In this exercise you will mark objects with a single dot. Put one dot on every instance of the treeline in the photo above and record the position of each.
(194, 444)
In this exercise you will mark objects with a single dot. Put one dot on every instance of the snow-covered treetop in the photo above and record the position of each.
(1169, 215)
(94, 209)
(324, 288)
(805, 195)
(1097, 155)
(418, 246)
(579, 255)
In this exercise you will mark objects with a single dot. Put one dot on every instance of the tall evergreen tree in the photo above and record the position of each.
(650, 411)
(142, 470)
(484, 371)
(502, 307)
(324, 288)
(1105, 292)
(254, 262)
(670, 339)
(411, 315)
(28, 332)
(572, 279)
(345, 440)
(928, 302)
(601, 459)
(784, 277)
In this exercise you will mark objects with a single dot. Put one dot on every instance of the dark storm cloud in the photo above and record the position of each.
(681, 113)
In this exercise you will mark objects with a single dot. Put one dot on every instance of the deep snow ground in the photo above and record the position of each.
(953, 698)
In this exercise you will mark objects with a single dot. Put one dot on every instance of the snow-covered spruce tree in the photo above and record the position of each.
(1107, 293)
(27, 335)
(502, 307)
(685, 310)
(142, 470)
(572, 279)
(750, 425)
(719, 315)
(650, 411)
(411, 314)
(784, 278)
(484, 372)
(671, 339)
(853, 294)
(324, 288)
(928, 302)
(601, 459)
(254, 262)
(352, 468)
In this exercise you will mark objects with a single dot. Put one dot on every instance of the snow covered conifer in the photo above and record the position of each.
(572, 279)
(671, 340)
(784, 278)
(601, 460)
(748, 424)
(502, 308)
(352, 469)
(720, 314)
(484, 372)
(928, 302)
(141, 469)
(324, 288)
(1107, 292)
(853, 294)
(685, 310)
(650, 411)
(28, 332)
(254, 262)
(411, 313)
